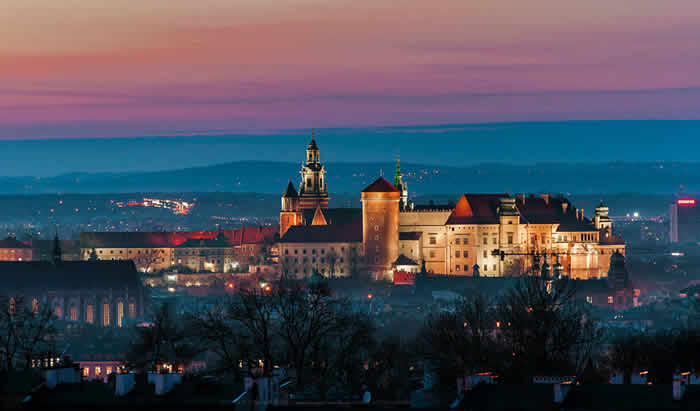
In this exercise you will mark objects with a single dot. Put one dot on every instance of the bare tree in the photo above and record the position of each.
(164, 341)
(305, 318)
(543, 328)
(252, 313)
(332, 258)
(24, 329)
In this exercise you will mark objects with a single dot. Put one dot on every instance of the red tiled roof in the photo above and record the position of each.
(380, 185)
(246, 235)
(11, 242)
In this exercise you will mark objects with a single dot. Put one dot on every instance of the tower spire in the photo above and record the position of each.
(397, 175)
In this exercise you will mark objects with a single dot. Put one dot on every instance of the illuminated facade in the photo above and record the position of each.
(482, 234)
(684, 221)
(12, 249)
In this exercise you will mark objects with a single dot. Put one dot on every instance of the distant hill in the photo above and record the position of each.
(272, 177)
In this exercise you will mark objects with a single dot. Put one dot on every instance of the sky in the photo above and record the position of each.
(124, 68)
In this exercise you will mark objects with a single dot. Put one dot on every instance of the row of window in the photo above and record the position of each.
(132, 251)
(322, 251)
(313, 260)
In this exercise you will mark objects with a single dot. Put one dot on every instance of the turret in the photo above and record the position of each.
(380, 226)
(290, 214)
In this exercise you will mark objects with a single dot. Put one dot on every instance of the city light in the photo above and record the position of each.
(686, 201)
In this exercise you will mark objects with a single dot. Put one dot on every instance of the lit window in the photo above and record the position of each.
(108, 370)
(90, 314)
(86, 371)
(589, 299)
(610, 299)
(120, 313)
(105, 314)
(98, 371)
(74, 313)
(57, 311)
(12, 306)
(35, 306)
(132, 310)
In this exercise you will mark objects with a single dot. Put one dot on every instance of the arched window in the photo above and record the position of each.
(73, 313)
(105, 314)
(90, 314)
(120, 313)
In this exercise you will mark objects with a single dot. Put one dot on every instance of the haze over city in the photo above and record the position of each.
(295, 204)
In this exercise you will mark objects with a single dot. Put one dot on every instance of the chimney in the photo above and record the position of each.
(560, 391)
(678, 387)
(546, 197)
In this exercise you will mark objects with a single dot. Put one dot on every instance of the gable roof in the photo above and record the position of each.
(380, 185)
(319, 218)
(403, 260)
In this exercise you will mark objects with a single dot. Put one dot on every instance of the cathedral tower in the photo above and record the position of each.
(313, 191)
(380, 226)
(402, 186)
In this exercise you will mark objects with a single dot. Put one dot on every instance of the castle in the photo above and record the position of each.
(480, 235)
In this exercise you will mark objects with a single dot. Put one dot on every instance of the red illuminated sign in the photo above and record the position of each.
(686, 201)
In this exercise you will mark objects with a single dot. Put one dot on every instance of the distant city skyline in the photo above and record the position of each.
(168, 67)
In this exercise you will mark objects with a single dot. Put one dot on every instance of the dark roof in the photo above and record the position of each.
(483, 209)
(409, 235)
(432, 207)
(332, 233)
(291, 192)
(380, 185)
(333, 215)
(219, 241)
(628, 396)
(403, 260)
(11, 242)
(67, 275)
